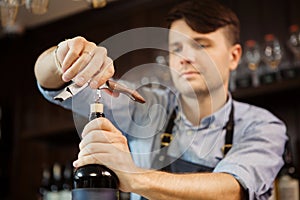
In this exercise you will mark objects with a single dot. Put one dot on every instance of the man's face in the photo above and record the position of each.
(200, 63)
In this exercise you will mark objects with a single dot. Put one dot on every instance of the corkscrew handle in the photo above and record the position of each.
(113, 86)
(132, 94)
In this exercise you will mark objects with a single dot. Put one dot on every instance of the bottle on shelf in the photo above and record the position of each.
(65, 193)
(45, 184)
(288, 183)
(272, 55)
(95, 181)
(56, 185)
(252, 57)
(293, 43)
(241, 76)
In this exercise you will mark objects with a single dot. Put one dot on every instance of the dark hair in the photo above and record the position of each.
(205, 16)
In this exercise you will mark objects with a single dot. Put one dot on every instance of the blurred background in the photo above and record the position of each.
(38, 140)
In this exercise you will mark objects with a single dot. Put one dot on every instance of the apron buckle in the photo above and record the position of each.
(166, 138)
(226, 148)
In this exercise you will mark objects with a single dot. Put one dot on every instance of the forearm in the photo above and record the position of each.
(46, 71)
(160, 185)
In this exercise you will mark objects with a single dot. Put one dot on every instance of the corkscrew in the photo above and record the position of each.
(113, 86)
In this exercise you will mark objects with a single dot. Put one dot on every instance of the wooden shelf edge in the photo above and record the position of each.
(279, 86)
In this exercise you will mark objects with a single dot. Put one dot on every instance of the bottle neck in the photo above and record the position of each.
(96, 111)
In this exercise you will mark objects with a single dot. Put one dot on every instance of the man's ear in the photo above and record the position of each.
(235, 56)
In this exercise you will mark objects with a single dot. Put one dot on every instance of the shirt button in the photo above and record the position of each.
(189, 133)
(161, 158)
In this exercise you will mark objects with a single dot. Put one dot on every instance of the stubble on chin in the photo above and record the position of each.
(191, 87)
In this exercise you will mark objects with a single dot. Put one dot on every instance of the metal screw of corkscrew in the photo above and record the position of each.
(98, 96)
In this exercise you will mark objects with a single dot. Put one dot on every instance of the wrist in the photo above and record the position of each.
(140, 181)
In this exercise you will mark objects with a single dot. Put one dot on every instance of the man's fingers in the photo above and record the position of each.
(76, 54)
(93, 148)
(106, 71)
(89, 159)
(99, 124)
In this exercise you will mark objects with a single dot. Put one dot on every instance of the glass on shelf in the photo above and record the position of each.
(252, 58)
(97, 3)
(9, 11)
(293, 43)
(272, 54)
(38, 7)
(13, 2)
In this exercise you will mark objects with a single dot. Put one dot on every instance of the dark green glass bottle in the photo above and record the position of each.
(94, 182)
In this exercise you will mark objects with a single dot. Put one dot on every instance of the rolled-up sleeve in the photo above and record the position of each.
(50, 94)
(256, 156)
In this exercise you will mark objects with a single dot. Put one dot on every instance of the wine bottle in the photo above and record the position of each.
(45, 184)
(65, 193)
(95, 181)
(56, 186)
(288, 184)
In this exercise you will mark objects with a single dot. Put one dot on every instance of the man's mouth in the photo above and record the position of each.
(189, 73)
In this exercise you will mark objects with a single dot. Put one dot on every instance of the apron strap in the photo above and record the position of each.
(229, 127)
(167, 136)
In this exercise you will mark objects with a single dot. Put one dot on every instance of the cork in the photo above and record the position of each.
(96, 107)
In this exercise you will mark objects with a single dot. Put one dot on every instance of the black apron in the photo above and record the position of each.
(178, 165)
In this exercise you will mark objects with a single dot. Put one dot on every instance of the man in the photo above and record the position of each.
(204, 47)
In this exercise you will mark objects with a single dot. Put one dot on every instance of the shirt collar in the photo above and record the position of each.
(216, 119)
(221, 116)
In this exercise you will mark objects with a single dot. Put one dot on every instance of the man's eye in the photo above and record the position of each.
(176, 49)
(200, 46)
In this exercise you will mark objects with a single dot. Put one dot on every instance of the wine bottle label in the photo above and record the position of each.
(95, 194)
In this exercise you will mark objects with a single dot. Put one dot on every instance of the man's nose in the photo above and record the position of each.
(187, 56)
(185, 61)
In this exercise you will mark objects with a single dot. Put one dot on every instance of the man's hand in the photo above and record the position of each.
(83, 61)
(74, 59)
(104, 144)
